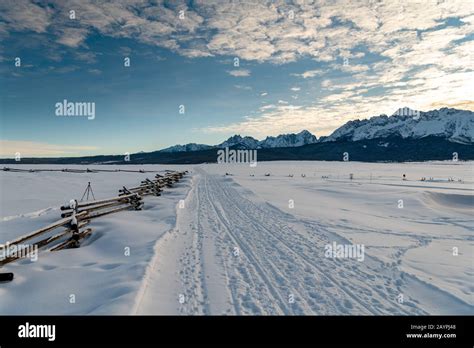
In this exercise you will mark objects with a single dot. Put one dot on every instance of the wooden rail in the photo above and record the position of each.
(48, 228)
(78, 215)
(44, 242)
(66, 170)
(107, 200)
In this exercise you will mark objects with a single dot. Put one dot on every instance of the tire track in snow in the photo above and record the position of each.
(305, 259)
(248, 208)
(279, 255)
(254, 263)
(325, 274)
(203, 278)
(191, 273)
(255, 228)
(259, 226)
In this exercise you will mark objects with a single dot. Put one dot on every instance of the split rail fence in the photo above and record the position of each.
(72, 170)
(76, 217)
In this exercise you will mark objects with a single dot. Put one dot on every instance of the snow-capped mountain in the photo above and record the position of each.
(187, 147)
(237, 140)
(452, 124)
(284, 140)
(289, 140)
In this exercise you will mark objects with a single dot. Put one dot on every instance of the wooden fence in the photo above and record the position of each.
(76, 216)
(66, 170)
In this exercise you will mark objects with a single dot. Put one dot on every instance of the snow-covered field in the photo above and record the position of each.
(247, 243)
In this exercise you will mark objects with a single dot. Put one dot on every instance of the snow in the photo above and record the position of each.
(99, 275)
(247, 244)
(247, 142)
(187, 147)
(456, 125)
(283, 140)
(289, 140)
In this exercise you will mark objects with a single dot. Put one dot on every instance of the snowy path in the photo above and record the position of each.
(237, 247)
(234, 254)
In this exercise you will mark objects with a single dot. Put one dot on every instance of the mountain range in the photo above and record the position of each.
(407, 135)
(452, 124)
(284, 140)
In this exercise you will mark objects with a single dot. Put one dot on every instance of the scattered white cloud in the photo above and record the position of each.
(295, 89)
(418, 57)
(86, 56)
(24, 16)
(243, 87)
(65, 69)
(95, 71)
(351, 68)
(266, 107)
(263, 94)
(310, 74)
(283, 117)
(239, 72)
(259, 31)
(72, 37)
(326, 83)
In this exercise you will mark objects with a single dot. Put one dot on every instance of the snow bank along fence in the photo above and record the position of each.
(77, 215)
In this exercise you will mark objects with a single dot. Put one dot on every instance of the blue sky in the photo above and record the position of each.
(311, 66)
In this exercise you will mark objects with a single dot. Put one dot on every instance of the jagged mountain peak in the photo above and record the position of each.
(449, 123)
(237, 141)
(187, 148)
(453, 124)
(289, 140)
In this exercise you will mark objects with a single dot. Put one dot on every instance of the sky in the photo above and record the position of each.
(201, 71)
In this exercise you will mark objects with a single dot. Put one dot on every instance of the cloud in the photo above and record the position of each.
(24, 16)
(463, 104)
(326, 83)
(8, 148)
(413, 54)
(95, 71)
(266, 107)
(239, 72)
(309, 73)
(72, 37)
(351, 68)
(125, 51)
(295, 89)
(65, 69)
(86, 56)
(258, 31)
(263, 94)
(243, 87)
(282, 118)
